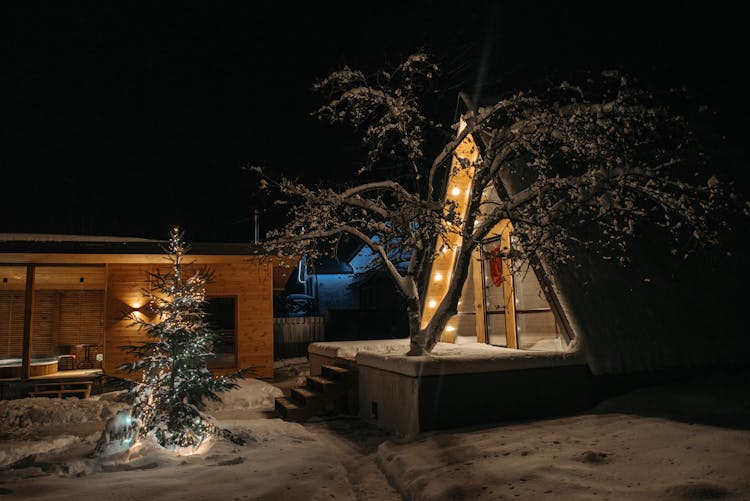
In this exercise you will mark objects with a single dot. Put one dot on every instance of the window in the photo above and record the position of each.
(221, 315)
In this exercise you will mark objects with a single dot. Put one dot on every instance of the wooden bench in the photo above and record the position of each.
(80, 389)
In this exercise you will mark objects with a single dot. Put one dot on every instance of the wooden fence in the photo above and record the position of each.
(292, 335)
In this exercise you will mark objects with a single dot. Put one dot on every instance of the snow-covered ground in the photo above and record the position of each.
(679, 441)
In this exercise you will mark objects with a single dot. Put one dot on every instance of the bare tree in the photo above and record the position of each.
(567, 165)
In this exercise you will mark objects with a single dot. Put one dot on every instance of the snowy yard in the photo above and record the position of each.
(680, 441)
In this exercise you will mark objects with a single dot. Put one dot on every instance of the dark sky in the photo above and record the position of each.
(125, 118)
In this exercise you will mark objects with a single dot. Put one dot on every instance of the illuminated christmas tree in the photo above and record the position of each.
(174, 380)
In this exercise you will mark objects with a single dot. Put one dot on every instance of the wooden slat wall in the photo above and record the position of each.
(56, 321)
(293, 335)
(81, 317)
(11, 323)
(250, 281)
(43, 324)
(69, 278)
(124, 284)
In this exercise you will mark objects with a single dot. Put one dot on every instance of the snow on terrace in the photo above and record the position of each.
(446, 358)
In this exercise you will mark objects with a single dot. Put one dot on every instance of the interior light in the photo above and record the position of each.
(438, 276)
(450, 328)
(455, 191)
(432, 303)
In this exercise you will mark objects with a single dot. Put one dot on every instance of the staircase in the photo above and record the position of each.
(335, 389)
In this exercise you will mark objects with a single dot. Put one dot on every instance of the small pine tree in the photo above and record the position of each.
(174, 379)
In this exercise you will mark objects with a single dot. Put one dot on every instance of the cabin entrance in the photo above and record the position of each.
(516, 311)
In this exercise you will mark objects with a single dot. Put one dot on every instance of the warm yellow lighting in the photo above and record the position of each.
(450, 328)
(205, 446)
(438, 276)
(432, 303)
(455, 191)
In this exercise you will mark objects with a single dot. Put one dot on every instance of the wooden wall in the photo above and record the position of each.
(250, 281)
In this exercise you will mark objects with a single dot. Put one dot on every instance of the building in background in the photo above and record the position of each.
(64, 301)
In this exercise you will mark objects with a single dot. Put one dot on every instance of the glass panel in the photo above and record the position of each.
(538, 331)
(494, 298)
(221, 315)
(529, 295)
(12, 298)
(496, 329)
(493, 284)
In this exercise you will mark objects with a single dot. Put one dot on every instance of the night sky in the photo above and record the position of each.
(125, 118)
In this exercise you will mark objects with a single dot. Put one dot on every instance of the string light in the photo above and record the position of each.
(174, 378)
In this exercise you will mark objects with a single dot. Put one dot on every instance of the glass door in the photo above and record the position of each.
(517, 313)
(497, 286)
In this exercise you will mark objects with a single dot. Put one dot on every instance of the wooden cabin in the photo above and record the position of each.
(64, 302)
(657, 313)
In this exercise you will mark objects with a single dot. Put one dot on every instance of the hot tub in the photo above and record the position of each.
(40, 365)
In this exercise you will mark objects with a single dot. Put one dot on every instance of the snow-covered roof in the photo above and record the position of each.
(96, 244)
(56, 237)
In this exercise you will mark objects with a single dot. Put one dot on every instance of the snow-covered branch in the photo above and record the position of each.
(573, 165)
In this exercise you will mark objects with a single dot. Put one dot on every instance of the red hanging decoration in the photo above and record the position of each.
(496, 266)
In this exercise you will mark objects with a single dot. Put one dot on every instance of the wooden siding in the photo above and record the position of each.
(247, 279)
(11, 323)
(292, 335)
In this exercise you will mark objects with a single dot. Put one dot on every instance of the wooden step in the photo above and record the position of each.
(290, 410)
(335, 372)
(320, 384)
(305, 396)
(321, 394)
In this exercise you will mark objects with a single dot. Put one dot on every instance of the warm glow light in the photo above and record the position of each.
(432, 303)
(455, 191)
(450, 328)
(205, 446)
(438, 277)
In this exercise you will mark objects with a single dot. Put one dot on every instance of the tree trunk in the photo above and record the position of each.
(424, 340)
(416, 335)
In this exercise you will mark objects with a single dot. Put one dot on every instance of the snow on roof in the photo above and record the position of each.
(54, 237)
